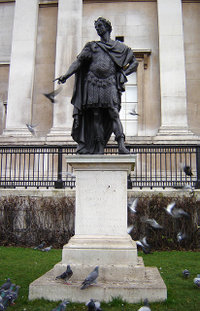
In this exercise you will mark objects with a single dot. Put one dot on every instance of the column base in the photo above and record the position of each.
(19, 136)
(60, 134)
(174, 135)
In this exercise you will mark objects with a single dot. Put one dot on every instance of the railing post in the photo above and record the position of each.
(197, 186)
(59, 184)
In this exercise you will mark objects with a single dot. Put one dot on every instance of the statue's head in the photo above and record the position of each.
(105, 22)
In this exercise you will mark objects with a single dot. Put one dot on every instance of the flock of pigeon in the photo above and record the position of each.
(171, 210)
(196, 280)
(8, 294)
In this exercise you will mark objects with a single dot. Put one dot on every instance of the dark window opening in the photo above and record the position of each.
(120, 38)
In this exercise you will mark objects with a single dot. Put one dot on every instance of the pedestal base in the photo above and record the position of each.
(101, 239)
(151, 287)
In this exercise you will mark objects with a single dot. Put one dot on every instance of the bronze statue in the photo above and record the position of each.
(100, 73)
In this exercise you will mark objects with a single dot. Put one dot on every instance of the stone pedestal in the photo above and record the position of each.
(101, 239)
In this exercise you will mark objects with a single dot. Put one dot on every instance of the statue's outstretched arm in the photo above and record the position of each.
(72, 69)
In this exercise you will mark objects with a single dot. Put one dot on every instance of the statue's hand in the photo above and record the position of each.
(62, 79)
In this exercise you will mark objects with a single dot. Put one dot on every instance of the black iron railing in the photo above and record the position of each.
(45, 166)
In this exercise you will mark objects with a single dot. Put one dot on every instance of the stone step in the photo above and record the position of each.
(107, 273)
(151, 287)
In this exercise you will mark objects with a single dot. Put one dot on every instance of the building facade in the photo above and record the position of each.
(40, 39)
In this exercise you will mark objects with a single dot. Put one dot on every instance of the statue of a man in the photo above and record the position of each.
(100, 73)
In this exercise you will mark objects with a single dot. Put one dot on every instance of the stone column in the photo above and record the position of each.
(68, 45)
(22, 68)
(172, 69)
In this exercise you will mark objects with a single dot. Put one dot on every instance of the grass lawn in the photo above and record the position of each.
(24, 265)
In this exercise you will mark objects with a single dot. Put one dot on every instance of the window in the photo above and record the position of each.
(120, 38)
(128, 113)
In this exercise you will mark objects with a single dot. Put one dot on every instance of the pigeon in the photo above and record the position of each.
(40, 246)
(62, 306)
(46, 249)
(133, 206)
(93, 305)
(170, 207)
(146, 306)
(186, 273)
(6, 295)
(31, 128)
(53, 94)
(186, 169)
(181, 236)
(197, 280)
(91, 278)
(144, 245)
(129, 229)
(175, 212)
(133, 112)
(6, 285)
(152, 222)
(14, 294)
(66, 275)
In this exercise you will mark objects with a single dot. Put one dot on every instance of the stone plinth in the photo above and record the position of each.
(101, 239)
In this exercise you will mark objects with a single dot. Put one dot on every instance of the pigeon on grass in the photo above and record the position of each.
(146, 306)
(91, 278)
(197, 280)
(93, 305)
(62, 306)
(7, 296)
(40, 246)
(186, 273)
(66, 275)
(13, 295)
(47, 249)
(6, 285)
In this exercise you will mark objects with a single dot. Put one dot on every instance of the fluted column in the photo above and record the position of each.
(172, 68)
(68, 45)
(22, 67)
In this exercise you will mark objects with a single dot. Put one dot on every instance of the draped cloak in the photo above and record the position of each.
(84, 134)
